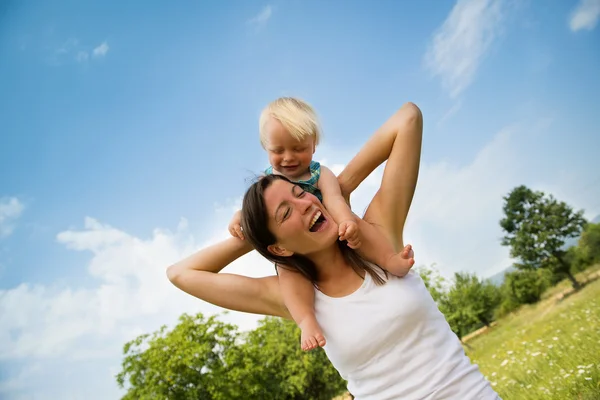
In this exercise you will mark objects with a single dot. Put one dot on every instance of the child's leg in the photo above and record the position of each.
(376, 248)
(299, 297)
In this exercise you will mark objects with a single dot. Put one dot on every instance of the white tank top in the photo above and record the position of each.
(392, 342)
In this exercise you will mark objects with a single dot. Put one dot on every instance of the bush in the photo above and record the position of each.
(523, 287)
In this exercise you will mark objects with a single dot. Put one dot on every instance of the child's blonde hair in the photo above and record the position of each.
(296, 115)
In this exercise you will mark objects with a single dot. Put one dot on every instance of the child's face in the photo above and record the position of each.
(287, 155)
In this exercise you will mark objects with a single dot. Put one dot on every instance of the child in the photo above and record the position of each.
(290, 132)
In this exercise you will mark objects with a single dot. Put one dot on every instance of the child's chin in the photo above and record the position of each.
(292, 172)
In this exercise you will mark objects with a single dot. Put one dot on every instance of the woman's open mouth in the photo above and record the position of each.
(317, 222)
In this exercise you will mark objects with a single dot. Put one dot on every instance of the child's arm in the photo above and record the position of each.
(299, 297)
(332, 196)
(340, 210)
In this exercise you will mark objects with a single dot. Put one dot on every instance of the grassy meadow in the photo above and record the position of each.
(549, 350)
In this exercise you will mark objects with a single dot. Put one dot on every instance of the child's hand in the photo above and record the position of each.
(348, 230)
(235, 226)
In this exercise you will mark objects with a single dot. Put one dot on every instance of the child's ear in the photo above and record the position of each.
(277, 250)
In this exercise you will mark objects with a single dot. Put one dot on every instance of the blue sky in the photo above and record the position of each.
(129, 131)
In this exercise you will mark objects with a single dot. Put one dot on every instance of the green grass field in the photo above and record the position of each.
(550, 350)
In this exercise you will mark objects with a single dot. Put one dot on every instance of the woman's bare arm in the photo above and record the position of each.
(199, 276)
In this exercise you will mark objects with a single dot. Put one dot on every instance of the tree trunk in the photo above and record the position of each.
(574, 282)
(566, 269)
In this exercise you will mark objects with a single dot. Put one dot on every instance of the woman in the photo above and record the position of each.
(384, 334)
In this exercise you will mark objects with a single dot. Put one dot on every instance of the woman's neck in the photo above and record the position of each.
(330, 263)
(336, 278)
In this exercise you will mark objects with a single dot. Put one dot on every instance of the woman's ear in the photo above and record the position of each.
(277, 250)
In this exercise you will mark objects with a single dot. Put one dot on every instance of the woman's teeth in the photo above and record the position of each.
(315, 218)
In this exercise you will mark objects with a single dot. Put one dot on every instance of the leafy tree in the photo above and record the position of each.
(536, 227)
(203, 358)
(271, 365)
(577, 259)
(469, 303)
(508, 303)
(589, 244)
(184, 364)
(523, 287)
(587, 251)
(433, 281)
(527, 286)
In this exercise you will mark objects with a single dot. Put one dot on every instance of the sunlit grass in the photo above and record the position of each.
(550, 350)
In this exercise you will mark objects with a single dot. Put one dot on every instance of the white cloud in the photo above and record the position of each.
(10, 210)
(462, 41)
(455, 214)
(131, 289)
(451, 111)
(67, 46)
(82, 56)
(101, 50)
(262, 17)
(18, 382)
(72, 49)
(585, 15)
(70, 326)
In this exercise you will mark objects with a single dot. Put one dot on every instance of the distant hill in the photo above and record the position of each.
(498, 279)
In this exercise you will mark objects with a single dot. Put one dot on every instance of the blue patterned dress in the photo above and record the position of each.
(309, 185)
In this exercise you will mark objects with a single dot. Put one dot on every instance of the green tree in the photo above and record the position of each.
(469, 303)
(589, 244)
(536, 227)
(527, 286)
(587, 251)
(577, 259)
(184, 364)
(203, 358)
(271, 365)
(433, 281)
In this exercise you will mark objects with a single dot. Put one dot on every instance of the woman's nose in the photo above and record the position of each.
(305, 204)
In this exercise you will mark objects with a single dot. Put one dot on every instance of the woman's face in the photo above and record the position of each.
(298, 219)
